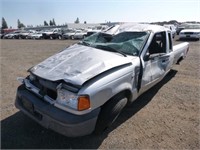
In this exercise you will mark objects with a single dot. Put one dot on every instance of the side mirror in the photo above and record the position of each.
(147, 56)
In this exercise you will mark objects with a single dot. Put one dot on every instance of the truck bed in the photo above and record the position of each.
(180, 51)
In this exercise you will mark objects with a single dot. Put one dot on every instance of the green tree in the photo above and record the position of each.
(19, 24)
(46, 24)
(50, 23)
(4, 23)
(77, 20)
(54, 23)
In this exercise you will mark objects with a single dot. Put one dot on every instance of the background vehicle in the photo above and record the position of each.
(69, 34)
(24, 34)
(96, 29)
(51, 34)
(180, 28)
(2, 35)
(172, 28)
(58, 34)
(79, 34)
(191, 31)
(76, 98)
(36, 35)
(12, 35)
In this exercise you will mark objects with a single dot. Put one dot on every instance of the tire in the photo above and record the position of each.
(109, 113)
(72, 37)
(60, 37)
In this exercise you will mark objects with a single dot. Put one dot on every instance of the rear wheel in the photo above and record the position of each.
(59, 37)
(109, 112)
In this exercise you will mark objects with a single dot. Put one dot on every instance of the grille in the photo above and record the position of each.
(188, 33)
(46, 87)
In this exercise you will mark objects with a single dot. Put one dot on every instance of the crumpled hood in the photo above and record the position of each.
(77, 64)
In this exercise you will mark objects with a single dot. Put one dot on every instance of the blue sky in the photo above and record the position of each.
(34, 12)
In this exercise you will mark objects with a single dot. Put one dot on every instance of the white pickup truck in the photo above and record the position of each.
(83, 88)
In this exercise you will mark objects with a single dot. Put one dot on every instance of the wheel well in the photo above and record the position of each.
(179, 60)
(126, 93)
(110, 112)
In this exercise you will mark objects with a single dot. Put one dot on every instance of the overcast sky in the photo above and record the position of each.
(34, 12)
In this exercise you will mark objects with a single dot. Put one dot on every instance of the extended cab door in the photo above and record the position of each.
(157, 60)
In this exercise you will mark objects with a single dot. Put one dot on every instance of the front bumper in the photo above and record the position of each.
(189, 36)
(54, 118)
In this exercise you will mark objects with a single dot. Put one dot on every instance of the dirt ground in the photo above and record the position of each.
(165, 117)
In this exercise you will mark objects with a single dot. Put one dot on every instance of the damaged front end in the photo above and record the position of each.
(56, 105)
(57, 93)
(58, 79)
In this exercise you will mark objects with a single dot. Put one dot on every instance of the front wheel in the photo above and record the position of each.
(72, 37)
(109, 112)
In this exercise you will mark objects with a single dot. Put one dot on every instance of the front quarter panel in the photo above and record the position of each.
(105, 86)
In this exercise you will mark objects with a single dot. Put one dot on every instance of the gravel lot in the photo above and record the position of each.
(165, 117)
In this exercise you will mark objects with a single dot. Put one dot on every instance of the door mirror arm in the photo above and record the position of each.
(147, 56)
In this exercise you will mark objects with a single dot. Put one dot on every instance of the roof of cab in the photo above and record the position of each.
(136, 27)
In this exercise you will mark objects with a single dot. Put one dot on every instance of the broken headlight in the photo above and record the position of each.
(69, 99)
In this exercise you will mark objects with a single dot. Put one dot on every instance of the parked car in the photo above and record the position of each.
(36, 35)
(172, 28)
(69, 34)
(51, 34)
(191, 31)
(56, 35)
(12, 35)
(79, 34)
(2, 35)
(180, 28)
(24, 34)
(96, 29)
(85, 87)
